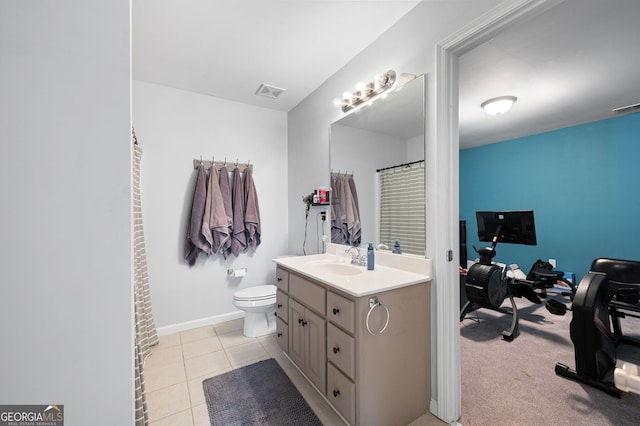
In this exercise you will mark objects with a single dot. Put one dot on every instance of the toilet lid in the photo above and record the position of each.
(259, 292)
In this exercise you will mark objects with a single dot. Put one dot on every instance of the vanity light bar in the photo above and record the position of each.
(366, 92)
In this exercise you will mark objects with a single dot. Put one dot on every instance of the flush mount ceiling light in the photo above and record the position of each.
(269, 91)
(628, 108)
(366, 92)
(499, 105)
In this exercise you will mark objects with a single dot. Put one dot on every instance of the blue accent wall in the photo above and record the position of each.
(582, 183)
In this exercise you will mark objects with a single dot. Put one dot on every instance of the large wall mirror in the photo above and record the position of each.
(381, 147)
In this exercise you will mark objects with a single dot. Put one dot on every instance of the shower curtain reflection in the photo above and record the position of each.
(345, 210)
(402, 206)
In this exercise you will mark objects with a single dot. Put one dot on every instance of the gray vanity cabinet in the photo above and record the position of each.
(370, 376)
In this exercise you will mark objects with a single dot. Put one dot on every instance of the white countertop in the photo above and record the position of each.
(362, 283)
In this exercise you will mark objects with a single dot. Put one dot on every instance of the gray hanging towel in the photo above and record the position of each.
(252, 211)
(238, 238)
(338, 235)
(195, 241)
(225, 191)
(355, 213)
(351, 217)
(215, 218)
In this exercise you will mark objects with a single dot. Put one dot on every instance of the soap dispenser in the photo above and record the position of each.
(370, 259)
(396, 247)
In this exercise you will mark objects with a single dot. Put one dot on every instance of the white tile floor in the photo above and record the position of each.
(181, 361)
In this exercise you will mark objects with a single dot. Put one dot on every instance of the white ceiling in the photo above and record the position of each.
(573, 64)
(228, 48)
(570, 65)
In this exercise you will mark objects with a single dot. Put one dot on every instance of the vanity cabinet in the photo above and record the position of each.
(368, 376)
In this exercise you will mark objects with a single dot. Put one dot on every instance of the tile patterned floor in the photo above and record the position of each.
(181, 361)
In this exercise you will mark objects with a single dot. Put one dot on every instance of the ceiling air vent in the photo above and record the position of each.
(270, 91)
(628, 108)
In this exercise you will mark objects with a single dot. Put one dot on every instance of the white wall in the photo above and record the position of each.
(65, 258)
(174, 127)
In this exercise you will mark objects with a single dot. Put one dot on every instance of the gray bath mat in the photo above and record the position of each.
(258, 394)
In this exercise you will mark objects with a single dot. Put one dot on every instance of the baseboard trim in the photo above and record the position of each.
(188, 325)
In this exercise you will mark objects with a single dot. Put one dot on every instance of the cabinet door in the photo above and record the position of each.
(341, 312)
(296, 333)
(341, 392)
(341, 350)
(282, 334)
(316, 356)
(282, 279)
(282, 306)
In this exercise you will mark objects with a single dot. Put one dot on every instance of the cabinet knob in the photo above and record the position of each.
(304, 323)
(336, 349)
(279, 279)
(336, 392)
(279, 305)
(300, 320)
(279, 334)
(336, 311)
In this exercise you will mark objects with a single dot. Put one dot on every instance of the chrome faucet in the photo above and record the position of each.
(357, 258)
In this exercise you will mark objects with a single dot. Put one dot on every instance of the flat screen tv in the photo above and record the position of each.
(516, 226)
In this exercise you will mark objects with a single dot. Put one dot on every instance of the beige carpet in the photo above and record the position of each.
(514, 383)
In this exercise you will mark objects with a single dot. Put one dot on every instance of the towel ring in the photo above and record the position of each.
(374, 303)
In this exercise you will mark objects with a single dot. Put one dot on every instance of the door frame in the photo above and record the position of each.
(442, 185)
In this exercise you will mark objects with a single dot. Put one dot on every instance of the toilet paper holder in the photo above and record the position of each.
(240, 272)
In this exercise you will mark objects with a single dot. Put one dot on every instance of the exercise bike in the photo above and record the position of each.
(486, 287)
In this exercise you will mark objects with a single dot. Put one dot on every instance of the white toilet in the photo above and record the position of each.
(259, 304)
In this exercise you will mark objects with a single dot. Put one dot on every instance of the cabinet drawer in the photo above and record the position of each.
(341, 350)
(282, 334)
(282, 306)
(341, 311)
(341, 392)
(282, 279)
(309, 294)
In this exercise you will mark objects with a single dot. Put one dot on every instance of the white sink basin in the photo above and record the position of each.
(336, 268)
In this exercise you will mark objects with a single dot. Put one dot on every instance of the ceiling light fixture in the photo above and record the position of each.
(627, 108)
(499, 105)
(366, 92)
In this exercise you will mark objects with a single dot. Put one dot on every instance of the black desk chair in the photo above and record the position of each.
(624, 291)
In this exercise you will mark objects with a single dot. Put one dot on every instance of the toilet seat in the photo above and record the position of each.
(257, 293)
